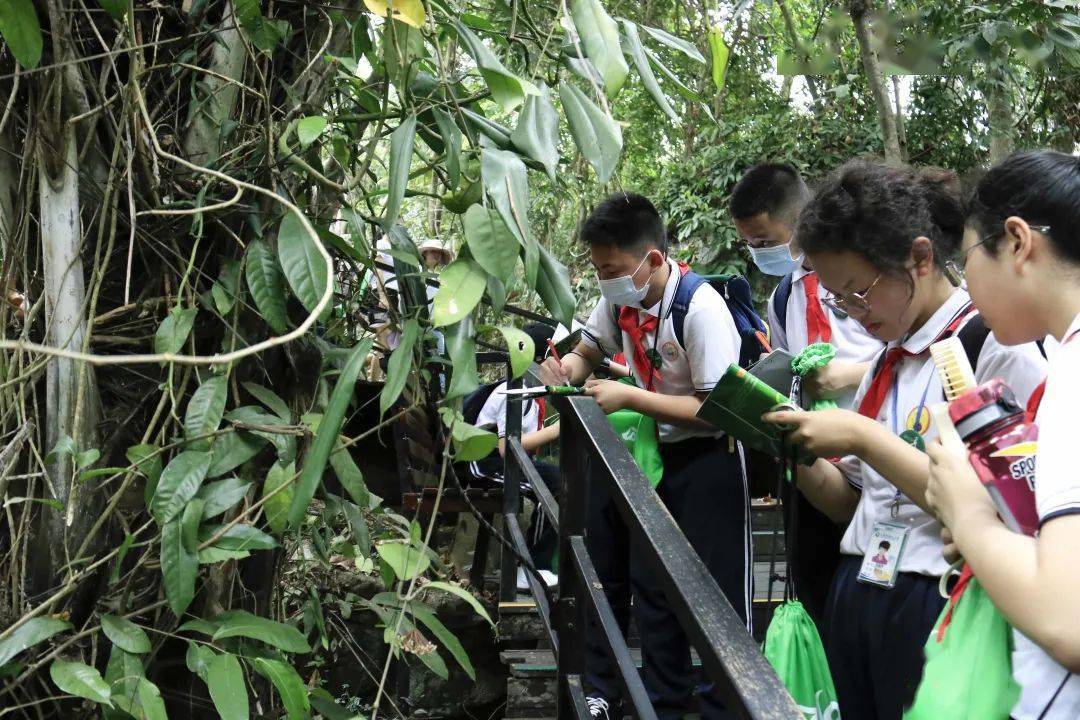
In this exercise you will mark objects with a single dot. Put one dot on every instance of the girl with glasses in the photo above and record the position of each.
(879, 237)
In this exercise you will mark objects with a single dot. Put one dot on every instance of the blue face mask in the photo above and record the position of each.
(775, 260)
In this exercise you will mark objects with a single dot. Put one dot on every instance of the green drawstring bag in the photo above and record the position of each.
(639, 435)
(794, 648)
(810, 359)
(968, 670)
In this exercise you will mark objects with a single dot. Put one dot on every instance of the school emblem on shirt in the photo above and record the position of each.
(918, 422)
(670, 351)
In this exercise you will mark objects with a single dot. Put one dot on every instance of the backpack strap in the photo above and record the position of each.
(680, 304)
(973, 336)
(780, 300)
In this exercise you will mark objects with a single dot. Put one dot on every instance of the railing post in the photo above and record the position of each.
(572, 609)
(511, 489)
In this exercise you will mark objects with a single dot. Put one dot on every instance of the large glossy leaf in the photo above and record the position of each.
(179, 568)
(402, 46)
(80, 680)
(508, 89)
(125, 634)
(305, 270)
(520, 347)
(641, 64)
(596, 134)
(225, 679)
(204, 411)
(462, 593)
(150, 702)
(232, 450)
(444, 636)
(719, 50)
(506, 183)
(349, 475)
(600, 40)
(400, 365)
(174, 330)
(470, 442)
(267, 285)
(189, 525)
(28, 634)
(553, 286)
(289, 686)
(263, 33)
(451, 137)
(672, 77)
(401, 152)
(308, 129)
(241, 623)
(325, 438)
(410, 12)
(198, 658)
(21, 31)
(221, 495)
(238, 538)
(461, 285)
(270, 399)
(179, 482)
(461, 347)
(277, 507)
(537, 132)
(406, 560)
(676, 43)
(122, 674)
(492, 244)
(493, 131)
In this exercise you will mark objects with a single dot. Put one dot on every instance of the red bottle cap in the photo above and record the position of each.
(985, 405)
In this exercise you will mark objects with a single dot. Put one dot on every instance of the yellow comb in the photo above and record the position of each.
(952, 364)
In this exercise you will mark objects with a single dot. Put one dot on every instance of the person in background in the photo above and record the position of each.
(1022, 260)
(704, 482)
(542, 539)
(879, 237)
(765, 207)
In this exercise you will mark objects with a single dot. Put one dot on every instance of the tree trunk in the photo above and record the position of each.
(858, 10)
(999, 116)
(796, 41)
(901, 132)
(203, 140)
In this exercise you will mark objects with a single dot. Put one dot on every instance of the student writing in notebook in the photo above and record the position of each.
(879, 237)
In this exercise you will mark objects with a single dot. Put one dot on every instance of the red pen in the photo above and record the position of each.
(554, 352)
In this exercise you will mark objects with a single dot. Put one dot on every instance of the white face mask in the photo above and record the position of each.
(623, 291)
(775, 260)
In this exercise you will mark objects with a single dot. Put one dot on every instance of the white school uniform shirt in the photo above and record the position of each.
(1022, 367)
(1048, 690)
(493, 413)
(712, 344)
(853, 344)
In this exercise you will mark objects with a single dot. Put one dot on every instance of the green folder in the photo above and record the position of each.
(736, 405)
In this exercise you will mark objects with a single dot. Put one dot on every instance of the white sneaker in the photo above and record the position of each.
(522, 580)
(598, 708)
(550, 578)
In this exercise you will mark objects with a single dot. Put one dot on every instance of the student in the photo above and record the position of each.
(534, 435)
(878, 237)
(1022, 256)
(765, 207)
(704, 484)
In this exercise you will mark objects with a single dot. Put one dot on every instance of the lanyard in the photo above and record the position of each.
(894, 511)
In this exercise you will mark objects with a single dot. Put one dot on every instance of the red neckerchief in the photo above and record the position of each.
(886, 375)
(818, 328)
(1037, 395)
(541, 409)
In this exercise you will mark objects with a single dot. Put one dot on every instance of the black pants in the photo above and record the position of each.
(704, 488)
(814, 542)
(874, 640)
(542, 538)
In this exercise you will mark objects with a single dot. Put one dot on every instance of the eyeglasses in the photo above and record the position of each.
(960, 268)
(857, 301)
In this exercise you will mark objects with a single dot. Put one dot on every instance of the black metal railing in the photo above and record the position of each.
(591, 452)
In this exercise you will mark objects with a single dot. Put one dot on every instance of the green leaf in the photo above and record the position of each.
(225, 679)
(204, 411)
(125, 634)
(553, 286)
(28, 634)
(461, 347)
(238, 537)
(221, 495)
(400, 365)
(122, 674)
(174, 330)
(676, 43)
(506, 182)
(401, 152)
(241, 623)
(461, 285)
(349, 475)
(305, 270)
(508, 89)
(447, 638)
(153, 707)
(719, 50)
(80, 680)
(308, 129)
(493, 246)
(672, 77)
(277, 507)
(325, 705)
(21, 31)
(470, 442)
(270, 399)
(451, 137)
(463, 594)
(288, 684)
(537, 132)
(600, 41)
(116, 8)
(521, 348)
(641, 63)
(179, 482)
(198, 659)
(407, 11)
(232, 450)
(404, 559)
(263, 34)
(267, 285)
(327, 435)
(189, 525)
(121, 553)
(402, 45)
(493, 131)
(147, 460)
(597, 136)
(179, 568)
(214, 554)
(199, 625)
